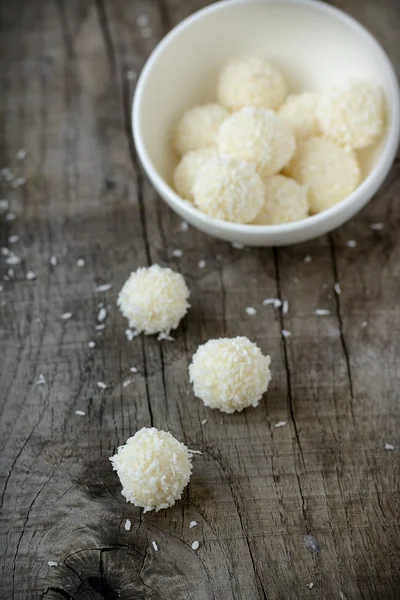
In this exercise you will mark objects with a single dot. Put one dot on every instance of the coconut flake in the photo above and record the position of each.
(322, 312)
(66, 316)
(103, 288)
(195, 545)
(40, 380)
(280, 424)
(376, 226)
(80, 262)
(53, 261)
(193, 524)
(91, 344)
(12, 259)
(204, 421)
(154, 544)
(275, 302)
(80, 413)
(364, 324)
(286, 333)
(102, 314)
(310, 585)
(128, 525)
(285, 307)
(31, 275)
(101, 385)
(337, 288)
(133, 370)
(177, 253)
(164, 336)
(127, 382)
(389, 446)
(18, 182)
(251, 311)
(100, 327)
(202, 264)
(52, 563)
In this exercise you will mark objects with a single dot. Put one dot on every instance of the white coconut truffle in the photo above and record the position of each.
(260, 136)
(299, 111)
(154, 469)
(198, 127)
(250, 82)
(154, 299)
(229, 189)
(352, 115)
(230, 374)
(330, 171)
(187, 170)
(285, 201)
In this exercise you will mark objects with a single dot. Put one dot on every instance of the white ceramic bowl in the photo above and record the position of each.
(313, 44)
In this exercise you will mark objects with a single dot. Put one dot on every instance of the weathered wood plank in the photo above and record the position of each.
(257, 491)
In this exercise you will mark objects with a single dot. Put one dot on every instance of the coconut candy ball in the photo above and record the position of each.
(250, 82)
(154, 469)
(257, 135)
(299, 111)
(198, 127)
(154, 299)
(230, 374)
(352, 115)
(187, 170)
(330, 171)
(285, 201)
(229, 189)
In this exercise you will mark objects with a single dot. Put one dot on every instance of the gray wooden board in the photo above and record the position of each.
(258, 490)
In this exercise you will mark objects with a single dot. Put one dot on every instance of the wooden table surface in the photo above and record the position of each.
(67, 78)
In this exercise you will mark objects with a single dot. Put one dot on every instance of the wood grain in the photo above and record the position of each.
(67, 75)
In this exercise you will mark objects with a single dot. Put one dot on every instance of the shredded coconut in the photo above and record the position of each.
(53, 261)
(322, 312)
(177, 253)
(285, 307)
(133, 370)
(251, 311)
(376, 226)
(286, 333)
(31, 275)
(280, 424)
(389, 446)
(230, 374)
(103, 288)
(80, 413)
(127, 382)
(154, 300)
(204, 421)
(101, 385)
(66, 316)
(130, 334)
(155, 546)
(154, 468)
(100, 327)
(337, 288)
(40, 380)
(12, 259)
(102, 314)
(128, 525)
(91, 344)
(275, 302)
(310, 585)
(80, 262)
(52, 563)
(195, 545)
(202, 264)
(164, 336)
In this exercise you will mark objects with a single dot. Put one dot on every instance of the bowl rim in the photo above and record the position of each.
(369, 186)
